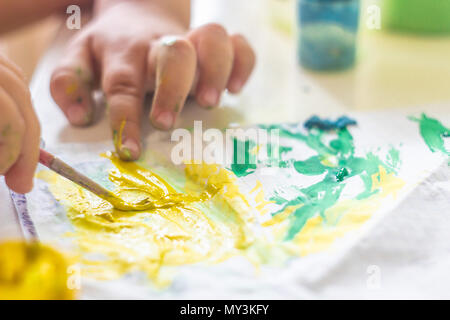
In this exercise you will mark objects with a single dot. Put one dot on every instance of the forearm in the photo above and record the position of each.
(17, 13)
(181, 9)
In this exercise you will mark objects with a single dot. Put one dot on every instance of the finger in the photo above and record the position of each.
(175, 63)
(12, 130)
(215, 59)
(20, 176)
(4, 61)
(243, 63)
(123, 84)
(72, 83)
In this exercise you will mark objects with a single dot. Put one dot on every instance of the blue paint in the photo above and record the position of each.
(327, 124)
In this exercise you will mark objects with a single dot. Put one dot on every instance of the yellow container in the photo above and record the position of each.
(32, 271)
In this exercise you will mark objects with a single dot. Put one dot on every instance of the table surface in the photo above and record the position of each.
(393, 71)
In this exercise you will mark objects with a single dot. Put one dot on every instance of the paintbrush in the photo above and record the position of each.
(68, 172)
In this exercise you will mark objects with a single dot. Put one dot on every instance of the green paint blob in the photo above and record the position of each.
(342, 173)
(433, 133)
(310, 167)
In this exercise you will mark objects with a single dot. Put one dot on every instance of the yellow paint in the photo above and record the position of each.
(258, 186)
(281, 217)
(255, 150)
(208, 220)
(318, 235)
(330, 161)
(259, 198)
(346, 216)
(33, 271)
(118, 135)
(388, 183)
(206, 223)
(70, 90)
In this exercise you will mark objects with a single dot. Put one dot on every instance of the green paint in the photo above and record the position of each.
(275, 160)
(245, 159)
(244, 162)
(342, 174)
(6, 130)
(283, 150)
(433, 133)
(116, 137)
(325, 194)
(85, 77)
(319, 197)
(393, 158)
(310, 167)
(278, 199)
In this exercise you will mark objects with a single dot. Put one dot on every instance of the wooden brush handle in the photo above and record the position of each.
(63, 169)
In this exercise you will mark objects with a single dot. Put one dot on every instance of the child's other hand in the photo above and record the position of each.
(137, 47)
(19, 130)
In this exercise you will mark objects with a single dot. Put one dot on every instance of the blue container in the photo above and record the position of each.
(328, 33)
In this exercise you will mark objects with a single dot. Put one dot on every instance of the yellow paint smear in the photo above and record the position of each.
(206, 223)
(259, 198)
(118, 135)
(209, 221)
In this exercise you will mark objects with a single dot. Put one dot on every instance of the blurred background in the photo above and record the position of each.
(27, 45)
(400, 58)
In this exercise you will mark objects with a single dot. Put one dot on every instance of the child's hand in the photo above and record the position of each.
(136, 47)
(19, 130)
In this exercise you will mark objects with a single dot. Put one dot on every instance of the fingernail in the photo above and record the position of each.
(169, 40)
(130, 149)
(76, 115)
(165, 120)
(210, 97)
(236, 86)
